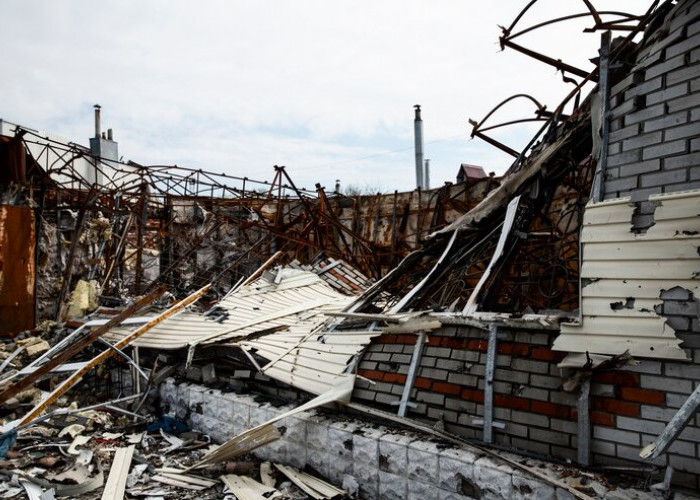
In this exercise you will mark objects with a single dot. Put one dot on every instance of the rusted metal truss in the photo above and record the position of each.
(131, 227)
(602, 20)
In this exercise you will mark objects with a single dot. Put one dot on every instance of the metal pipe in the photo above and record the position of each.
(426, 176)
(97, 121)
(418, 139)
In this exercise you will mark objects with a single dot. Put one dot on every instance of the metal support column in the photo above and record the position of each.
(488, 382)
(412, 373)
(597, 190)
(584, 424)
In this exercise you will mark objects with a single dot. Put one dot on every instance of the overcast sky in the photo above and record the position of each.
(324, 87)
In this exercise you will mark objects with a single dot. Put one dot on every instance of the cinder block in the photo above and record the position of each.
(526, 487)
(392, 486)
(340, 440)
(296, 427)
(296, 456)
(455, 467)
(317, 432)
(493, 477)
(320, 460)
(419, 490)
(393, 453)
(258, 414)
(423, 462)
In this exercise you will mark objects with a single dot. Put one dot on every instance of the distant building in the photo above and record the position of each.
(470, 173)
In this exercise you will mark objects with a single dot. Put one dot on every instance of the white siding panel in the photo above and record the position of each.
(618, 264)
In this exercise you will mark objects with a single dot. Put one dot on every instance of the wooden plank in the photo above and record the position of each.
(73, 379)
(116, 481)
(78, 346)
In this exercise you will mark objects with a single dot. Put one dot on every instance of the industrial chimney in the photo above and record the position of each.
(426, 176)
(418, 136)
(97, 121)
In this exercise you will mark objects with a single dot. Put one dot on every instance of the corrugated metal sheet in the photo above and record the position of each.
(630, 270)
(16, 269)
(312, 361)
(299, 298)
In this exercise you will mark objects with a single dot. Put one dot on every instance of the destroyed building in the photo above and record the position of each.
(552, 313)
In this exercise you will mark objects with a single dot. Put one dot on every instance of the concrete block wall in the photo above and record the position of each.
(654, 141)
(385, 463)
(629, 407)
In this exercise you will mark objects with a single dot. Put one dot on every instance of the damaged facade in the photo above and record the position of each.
(552, 312)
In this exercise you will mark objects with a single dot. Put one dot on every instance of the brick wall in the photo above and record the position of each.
(628, 407)
(654, 141)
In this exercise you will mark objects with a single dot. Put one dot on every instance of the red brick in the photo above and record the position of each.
(642, 396)
(619, 378)
(387, 339)
(506, 401)
(612, 405)
(472, 395)
(454, 343)
(543, 354)
(447, 388)
(478, 345)
(434, 340)
(422, 383)
(406, 339)
(394, 378)
(371, 374)
(511, 348)
(601, 418)
(552, 409)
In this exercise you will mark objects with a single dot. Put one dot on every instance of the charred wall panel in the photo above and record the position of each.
(16, 269)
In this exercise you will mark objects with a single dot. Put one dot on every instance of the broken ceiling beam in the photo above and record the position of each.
(78, 346)
(77, 376)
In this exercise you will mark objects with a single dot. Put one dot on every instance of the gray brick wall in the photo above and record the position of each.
(629, 407)
(655, 113)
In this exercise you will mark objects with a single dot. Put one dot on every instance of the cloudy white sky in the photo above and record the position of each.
(325, 88)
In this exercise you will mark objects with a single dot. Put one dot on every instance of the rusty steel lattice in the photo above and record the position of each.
(130, 227)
